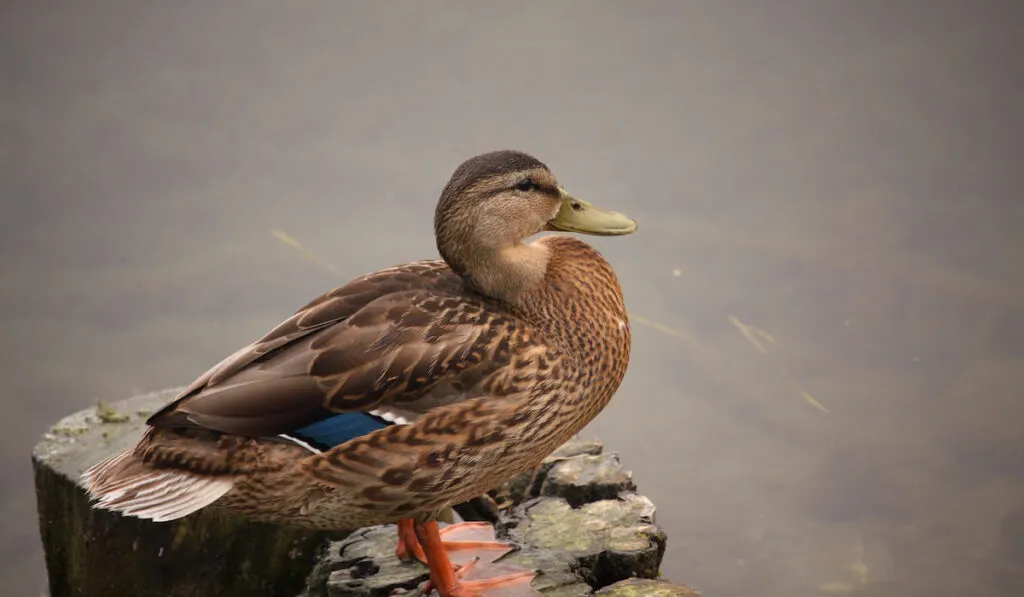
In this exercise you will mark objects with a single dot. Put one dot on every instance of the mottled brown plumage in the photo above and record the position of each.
(486, 361)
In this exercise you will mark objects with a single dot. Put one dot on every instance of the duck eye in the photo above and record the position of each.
(525, 185)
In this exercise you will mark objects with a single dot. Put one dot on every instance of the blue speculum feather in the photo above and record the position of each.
(336, 430)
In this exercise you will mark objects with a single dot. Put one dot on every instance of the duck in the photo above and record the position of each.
(407, 390)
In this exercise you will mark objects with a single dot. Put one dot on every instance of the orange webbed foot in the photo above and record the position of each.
(463, 542)
(471, 579)
(489, 580)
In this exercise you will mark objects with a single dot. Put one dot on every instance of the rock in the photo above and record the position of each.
(528, 485)
(643, 587)
(587, 478)
(608, 536)
(574, 550)
(98, 553)
(606, 541)
(364, 565)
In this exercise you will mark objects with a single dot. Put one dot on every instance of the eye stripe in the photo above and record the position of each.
(504, 187)
(549, 190)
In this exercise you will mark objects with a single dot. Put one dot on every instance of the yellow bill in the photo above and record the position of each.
(577, 215)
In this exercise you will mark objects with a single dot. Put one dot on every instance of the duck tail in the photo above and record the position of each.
(124, 483)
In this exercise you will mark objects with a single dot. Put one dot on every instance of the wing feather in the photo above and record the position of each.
(397, 343)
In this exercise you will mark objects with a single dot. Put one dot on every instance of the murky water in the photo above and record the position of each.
(826, 391)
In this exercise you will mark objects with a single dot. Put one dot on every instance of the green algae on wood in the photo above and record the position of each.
(108, 414)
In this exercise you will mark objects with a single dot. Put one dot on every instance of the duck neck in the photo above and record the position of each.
(509, 273)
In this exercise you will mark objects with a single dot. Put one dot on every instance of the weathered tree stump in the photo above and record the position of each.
(97, 553)
(576, 520)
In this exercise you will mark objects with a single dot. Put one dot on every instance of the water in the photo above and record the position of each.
(825, 396)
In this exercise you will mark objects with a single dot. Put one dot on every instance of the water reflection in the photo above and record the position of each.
(842, 177)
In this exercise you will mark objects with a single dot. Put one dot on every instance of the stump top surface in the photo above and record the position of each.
(86, 437)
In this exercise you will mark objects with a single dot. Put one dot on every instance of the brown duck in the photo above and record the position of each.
(407, 390)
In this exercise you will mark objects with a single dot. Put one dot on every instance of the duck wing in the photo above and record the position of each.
(390, 346)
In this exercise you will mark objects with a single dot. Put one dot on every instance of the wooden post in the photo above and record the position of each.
(94, 553)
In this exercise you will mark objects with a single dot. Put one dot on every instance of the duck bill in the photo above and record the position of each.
(576, 215)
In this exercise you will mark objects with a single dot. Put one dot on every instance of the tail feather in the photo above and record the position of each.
(123, 483)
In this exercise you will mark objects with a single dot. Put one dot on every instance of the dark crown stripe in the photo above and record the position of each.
(489, 165)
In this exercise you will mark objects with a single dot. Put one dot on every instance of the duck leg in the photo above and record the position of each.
(408, 545)
(488, 581)
(464, 542)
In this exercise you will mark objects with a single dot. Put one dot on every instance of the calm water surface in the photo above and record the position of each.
(826, 390)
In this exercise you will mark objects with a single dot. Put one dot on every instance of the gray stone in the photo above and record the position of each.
(584, 528)
(364, 565)
(97, 553)
(643, 587)
(607, 541)
(573, 550)
(528, 485)
(587, 478)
